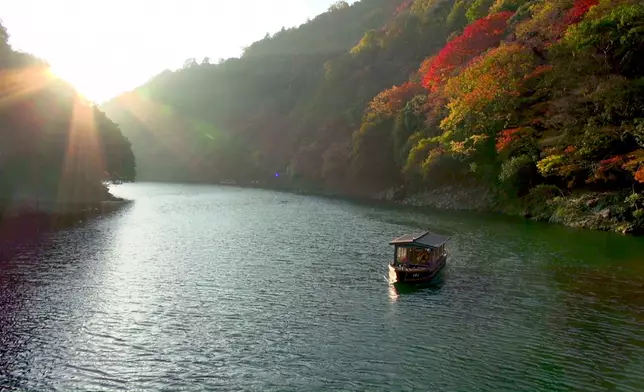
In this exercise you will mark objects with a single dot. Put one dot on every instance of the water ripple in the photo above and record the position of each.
(206, 288)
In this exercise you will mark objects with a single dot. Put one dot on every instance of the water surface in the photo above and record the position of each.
(213, 288)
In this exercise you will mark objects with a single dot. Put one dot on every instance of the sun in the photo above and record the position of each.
(54, 73)
(51, 73)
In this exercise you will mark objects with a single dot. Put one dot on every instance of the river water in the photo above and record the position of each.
(198, 288)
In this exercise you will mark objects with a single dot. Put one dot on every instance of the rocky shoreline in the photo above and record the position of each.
(618, 212)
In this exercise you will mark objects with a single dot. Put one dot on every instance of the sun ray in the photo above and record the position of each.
(84, 160)
(161, 122)
(16, 84)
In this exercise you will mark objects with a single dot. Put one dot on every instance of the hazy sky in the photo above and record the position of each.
(105, 47)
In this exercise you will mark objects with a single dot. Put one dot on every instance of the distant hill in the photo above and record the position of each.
(247, 117)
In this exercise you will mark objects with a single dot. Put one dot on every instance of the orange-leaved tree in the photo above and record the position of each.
(478, 37)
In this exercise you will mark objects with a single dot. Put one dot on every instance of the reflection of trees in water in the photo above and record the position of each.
(602, 323)
(24, 231)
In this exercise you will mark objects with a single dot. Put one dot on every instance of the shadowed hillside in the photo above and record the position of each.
(57, 148)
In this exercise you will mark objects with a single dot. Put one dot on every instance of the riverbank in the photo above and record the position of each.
(620, 212)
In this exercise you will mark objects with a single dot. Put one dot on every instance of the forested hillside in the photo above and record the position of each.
(247, 118)
(539, 101)
(56, 148)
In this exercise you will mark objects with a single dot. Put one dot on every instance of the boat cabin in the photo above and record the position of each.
(424, 249)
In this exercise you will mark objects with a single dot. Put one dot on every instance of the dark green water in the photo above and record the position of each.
(196, 288)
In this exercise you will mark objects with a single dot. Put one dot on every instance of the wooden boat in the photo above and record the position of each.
(417, 258)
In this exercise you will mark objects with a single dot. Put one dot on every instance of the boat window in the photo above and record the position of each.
(423, 256)
(402, 255)
(432, 255)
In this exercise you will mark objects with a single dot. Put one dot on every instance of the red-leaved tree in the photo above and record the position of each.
(478, 37)
(506, 138)
(577, 12)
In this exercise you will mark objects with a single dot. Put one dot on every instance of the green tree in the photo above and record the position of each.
(478, 9)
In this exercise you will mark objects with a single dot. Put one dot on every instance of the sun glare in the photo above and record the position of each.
(102, 60)
(51, 72)
(55, 73)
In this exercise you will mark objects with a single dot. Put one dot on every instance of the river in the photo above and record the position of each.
(199, 288)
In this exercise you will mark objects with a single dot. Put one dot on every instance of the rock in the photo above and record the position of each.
(605, 213)
(399, 194)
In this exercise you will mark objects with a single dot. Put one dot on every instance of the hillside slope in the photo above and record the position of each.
(537, 101)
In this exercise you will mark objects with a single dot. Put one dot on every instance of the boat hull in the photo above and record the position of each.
(416, 275)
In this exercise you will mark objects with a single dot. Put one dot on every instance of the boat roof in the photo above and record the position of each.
(422, 240)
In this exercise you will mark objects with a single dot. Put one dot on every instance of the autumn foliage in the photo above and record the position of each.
(639, 175)
(481, 94)
(390, 101)
(635, 163)
(479, 36)
(506, 138)
(577, 12)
